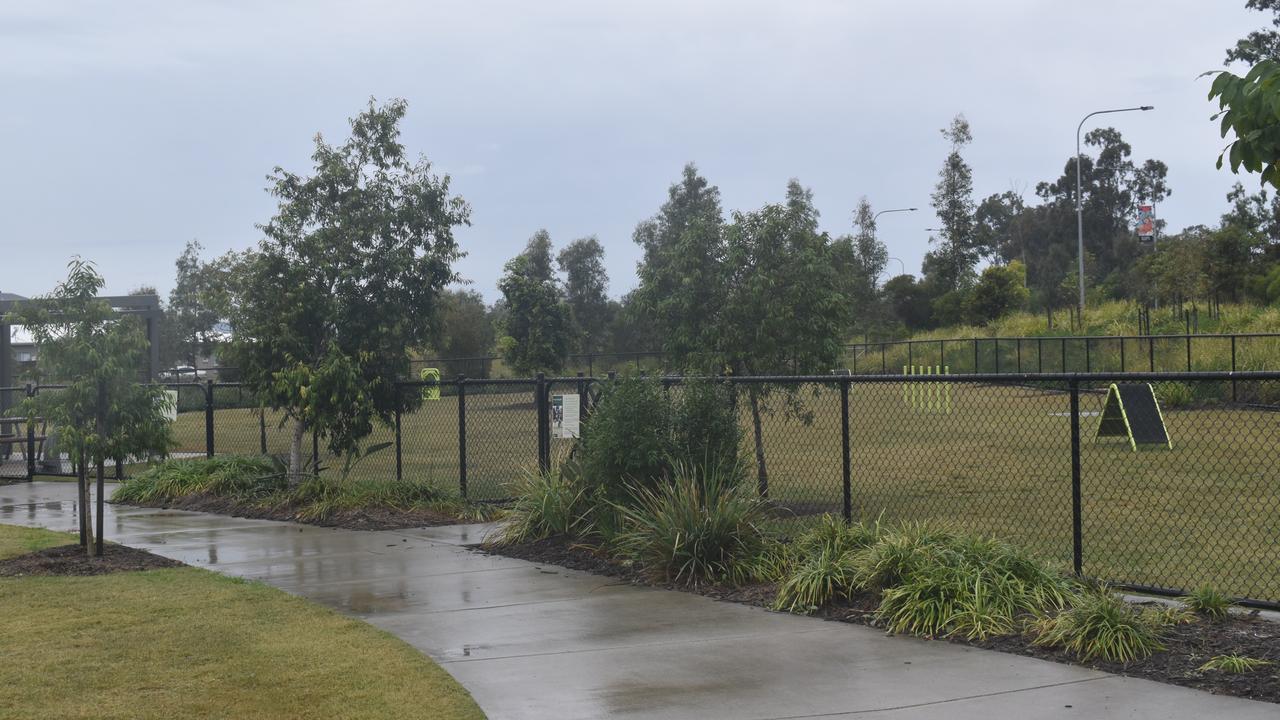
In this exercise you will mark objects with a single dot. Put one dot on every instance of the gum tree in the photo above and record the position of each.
(345, 282)
(104, 413)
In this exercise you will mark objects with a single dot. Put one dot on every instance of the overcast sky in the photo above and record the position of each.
(129, 128)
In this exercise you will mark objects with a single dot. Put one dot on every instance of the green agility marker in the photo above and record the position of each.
(933, 398)
(1133, 413)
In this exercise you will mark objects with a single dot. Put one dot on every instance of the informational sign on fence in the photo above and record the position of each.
(565, 416)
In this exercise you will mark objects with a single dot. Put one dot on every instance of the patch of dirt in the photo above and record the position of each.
(1187, 647)
(361, 519)
(72, 560)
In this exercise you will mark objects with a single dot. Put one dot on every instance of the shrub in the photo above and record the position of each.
(705, 429)
(1174, 394)
(626, 441)
(1234, 664)
(546, 504)
(1208, 601)
(694, 529)
(1101, 624)
(821, 564)
(320, 497)
(233, 476)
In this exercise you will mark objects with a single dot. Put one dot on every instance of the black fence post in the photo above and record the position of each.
(1151, 352)
(1122, 355)
(884, 366)
(544, 427)
(315, 454)
(462, 436)
(1077, 545)
(911, 362)
(582, 400)
(208, 418)
(262, 429)
(1088, 356)
(844, 439)
(1062, 342)
(1188, 352)
(1233, 368)
(31, 440)
(975, 356)
(1019, 356)
(942, 352)
(1039, 354)
(995, 344)
(395, 390)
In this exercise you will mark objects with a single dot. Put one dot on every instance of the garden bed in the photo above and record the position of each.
(370, 518)
(73, 560)
(1186, 647)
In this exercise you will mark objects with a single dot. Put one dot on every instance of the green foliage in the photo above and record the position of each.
(1000, 290)
(627, 439)
(682, 275)
(1208, 601)
(705, 433)
(696, 528)
(536, 327)
(318, 498)
(1173, 394)
(240, 477)
(930, 581)
(345, 282)
(822, 564)
(546, 505)
(585, 285)
(466, 331)
(957, 249)
(103, 413)
(1101, 624)
(1249, 107)
(1234, 664)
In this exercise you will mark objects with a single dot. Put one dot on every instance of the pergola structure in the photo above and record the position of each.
(146, 306)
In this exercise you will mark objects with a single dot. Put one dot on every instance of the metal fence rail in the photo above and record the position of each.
(1012, 455)
(1189, 352)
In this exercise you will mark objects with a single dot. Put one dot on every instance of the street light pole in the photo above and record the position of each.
(900, 263)
(1079, 201)
(873, 217)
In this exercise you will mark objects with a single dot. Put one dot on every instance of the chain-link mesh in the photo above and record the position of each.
(13, 434)
(502, 436)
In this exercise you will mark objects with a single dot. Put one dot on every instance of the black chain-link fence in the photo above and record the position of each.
(1020, 457)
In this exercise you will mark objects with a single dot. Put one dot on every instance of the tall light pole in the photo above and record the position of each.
(1079, 203)
(900, 263)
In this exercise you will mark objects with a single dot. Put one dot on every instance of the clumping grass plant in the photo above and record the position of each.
(930, 581)
(1234, 664)
(239, 477)
(1208, 601)
(546, 504)
(1100, 624)
(702, 526)
(259, 481)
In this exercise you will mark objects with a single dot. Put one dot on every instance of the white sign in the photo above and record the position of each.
(171, 405)
(565, 416)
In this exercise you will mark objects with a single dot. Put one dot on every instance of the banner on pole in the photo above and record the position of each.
(1146, 222)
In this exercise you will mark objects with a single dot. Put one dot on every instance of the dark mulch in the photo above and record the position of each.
(1187, 647)
(72, 560)
(362, 519)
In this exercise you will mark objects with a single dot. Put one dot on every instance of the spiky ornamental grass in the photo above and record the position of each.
(703, 526)
(546, 504)
(930, 581)
(1234, 664)
(1101, 624)
(1206, 600)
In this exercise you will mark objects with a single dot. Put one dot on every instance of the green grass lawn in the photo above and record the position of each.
(187, 643)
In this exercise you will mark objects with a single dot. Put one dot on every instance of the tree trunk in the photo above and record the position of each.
(86, 511)
(762, 473)
(295, 453)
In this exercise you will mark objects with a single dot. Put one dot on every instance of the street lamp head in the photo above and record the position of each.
(912, 209)
(1147, 107)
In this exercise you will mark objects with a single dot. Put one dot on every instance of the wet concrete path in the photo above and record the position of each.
(531, 641)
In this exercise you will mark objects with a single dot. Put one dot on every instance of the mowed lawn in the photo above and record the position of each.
(1206, 511)
(187, 643)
